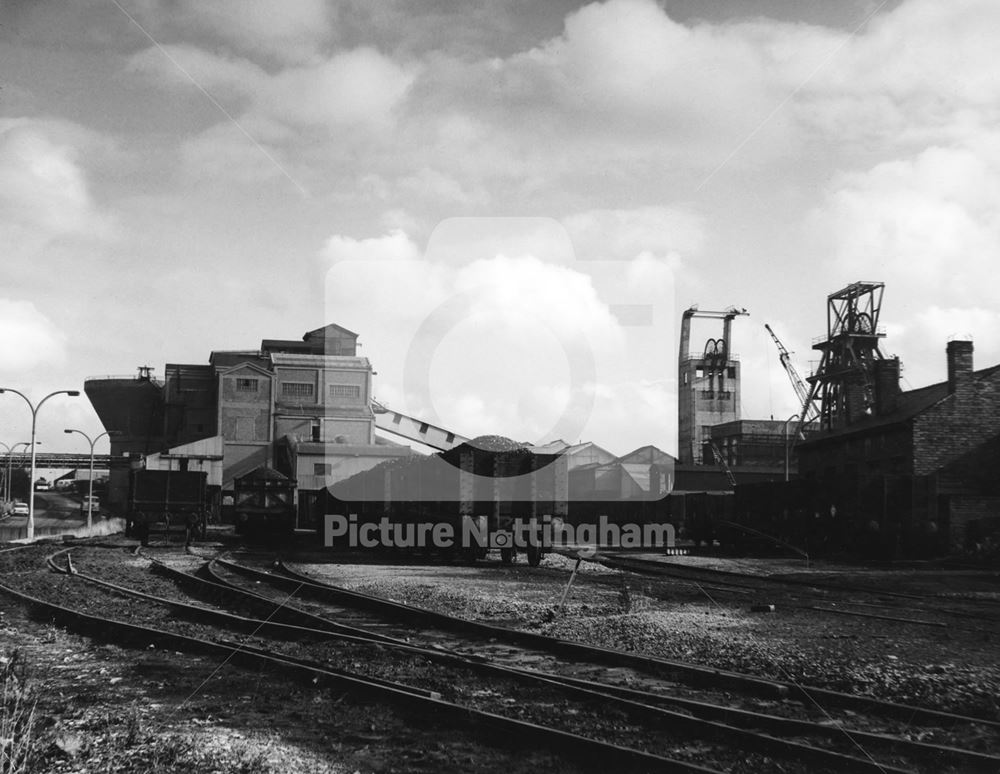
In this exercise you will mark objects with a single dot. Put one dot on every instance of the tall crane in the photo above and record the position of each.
(808, 411)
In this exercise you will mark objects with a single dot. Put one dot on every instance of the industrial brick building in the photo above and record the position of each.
(924, 461)
(302, 407)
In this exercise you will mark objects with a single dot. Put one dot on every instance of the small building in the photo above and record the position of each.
(576, 455)
(646, 473)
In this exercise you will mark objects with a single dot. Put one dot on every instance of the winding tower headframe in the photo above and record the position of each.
(842, 390)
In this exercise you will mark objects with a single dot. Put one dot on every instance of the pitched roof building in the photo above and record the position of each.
(925, 458)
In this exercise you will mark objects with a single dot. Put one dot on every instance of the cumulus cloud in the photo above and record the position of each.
(43, 191)
(224, 150)
(662, 232)
(914, 70)
(497, 327)
(928, 226)
(928, 223)
(356, 87)
(177, 65)
(290, 31)
(286, 121)
(30, 339)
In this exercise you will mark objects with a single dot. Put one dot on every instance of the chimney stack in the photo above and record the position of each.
(886, 385)
(959, 365)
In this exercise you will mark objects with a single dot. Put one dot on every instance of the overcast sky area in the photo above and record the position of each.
(510, 202)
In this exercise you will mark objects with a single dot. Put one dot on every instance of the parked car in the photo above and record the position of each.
(94, 502)
(20, 509)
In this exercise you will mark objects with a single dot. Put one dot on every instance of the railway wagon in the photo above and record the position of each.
(264, 503)
(705, 517)
(873, 517)
(166, 497)
(480, 490)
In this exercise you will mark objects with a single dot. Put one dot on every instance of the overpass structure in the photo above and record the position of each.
(55, 460)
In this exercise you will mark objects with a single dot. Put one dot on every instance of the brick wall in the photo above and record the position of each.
(965, 419)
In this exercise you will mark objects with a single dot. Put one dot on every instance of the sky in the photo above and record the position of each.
(510, 202)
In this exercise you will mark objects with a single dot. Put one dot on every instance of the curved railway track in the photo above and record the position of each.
(489, 639)
(592, 753)
(497, 658)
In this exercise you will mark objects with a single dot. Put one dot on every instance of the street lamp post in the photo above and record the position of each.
(90, 488)
(34, 421)
(793, 416)
(10, 454)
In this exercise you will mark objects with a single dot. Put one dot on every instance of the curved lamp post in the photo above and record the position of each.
(90, 488)
(34, 420)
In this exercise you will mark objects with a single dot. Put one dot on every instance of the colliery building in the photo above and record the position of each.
(302, 407)
(886, 471)
(924, 461)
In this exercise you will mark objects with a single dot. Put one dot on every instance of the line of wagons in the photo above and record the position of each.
(496, 482)
(492, 482)
(263, 503)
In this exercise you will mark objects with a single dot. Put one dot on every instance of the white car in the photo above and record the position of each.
(95, 503)
(20, 509)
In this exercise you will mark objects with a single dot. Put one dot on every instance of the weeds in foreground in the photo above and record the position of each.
(127, 746)
(631, 600)
(17, 716)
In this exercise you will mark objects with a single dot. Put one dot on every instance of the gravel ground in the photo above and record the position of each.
(107, 709)
(110, 710)
(941, 668)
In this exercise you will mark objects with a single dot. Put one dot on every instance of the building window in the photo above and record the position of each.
(345, 391)
(322, 469)
(246, 385)
(297, 390)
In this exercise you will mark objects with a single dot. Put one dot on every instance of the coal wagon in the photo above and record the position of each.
(167, 498)
(264, 503)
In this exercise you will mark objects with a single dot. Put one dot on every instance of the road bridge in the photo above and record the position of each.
(55, 460)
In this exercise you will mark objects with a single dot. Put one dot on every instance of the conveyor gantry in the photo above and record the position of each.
(414, 429)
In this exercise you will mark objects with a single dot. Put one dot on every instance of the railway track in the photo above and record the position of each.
(748, 718)
(815, 595)
(592, 753)
(498, 657)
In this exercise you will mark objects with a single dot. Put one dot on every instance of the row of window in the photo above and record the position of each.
(301, 390)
